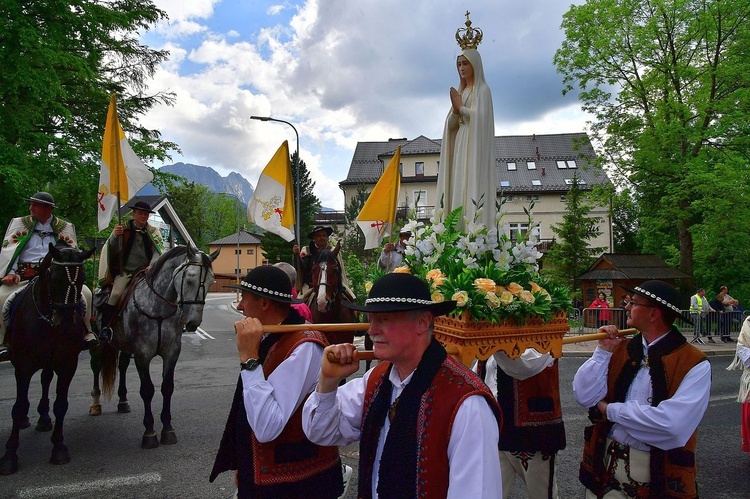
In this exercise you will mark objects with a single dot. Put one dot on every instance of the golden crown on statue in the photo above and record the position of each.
(468, 37)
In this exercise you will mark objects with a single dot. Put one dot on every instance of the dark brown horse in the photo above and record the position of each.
(46, 332)
(328, 294)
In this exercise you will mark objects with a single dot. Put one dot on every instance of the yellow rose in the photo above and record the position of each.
(484, 285)
(492, 300)
(401, 270)
(461, 298)
(535, 288)
(515, 288)
(506, 298)
(527, 296)
(437, 297)
(368, 287)
(500, 290)
(436, 276)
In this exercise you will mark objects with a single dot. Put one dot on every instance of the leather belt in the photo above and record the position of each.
(26, 271)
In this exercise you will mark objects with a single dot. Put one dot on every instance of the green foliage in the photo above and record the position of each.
(355, 272)
(571, 254)
(207, 216)
(681, 111)
(60, 62)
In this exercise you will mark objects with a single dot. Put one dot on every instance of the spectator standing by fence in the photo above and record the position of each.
(699, 309)
(603, 312)
(623, 315)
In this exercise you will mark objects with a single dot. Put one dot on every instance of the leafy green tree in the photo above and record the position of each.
(668, 82)
(274, 247)
(571, 254)
(206, 215)
(60, 62)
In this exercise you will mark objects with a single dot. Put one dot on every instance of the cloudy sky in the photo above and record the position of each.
(344, 71)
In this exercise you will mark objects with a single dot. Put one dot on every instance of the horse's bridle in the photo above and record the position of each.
(326, 284)
(72, 291)
(200, 294)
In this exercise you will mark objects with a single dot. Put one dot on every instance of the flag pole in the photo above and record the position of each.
(117, 156)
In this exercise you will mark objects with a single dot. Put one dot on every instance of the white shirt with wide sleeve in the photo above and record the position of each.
(270, 403)
(636, 423)
(335, 419)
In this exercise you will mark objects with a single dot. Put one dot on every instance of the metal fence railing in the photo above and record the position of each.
(588, 320)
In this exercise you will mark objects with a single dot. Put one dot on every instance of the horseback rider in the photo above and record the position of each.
(131, 247)
(305, 259)
(25, 245)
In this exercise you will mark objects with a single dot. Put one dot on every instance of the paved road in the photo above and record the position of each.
(107, 459)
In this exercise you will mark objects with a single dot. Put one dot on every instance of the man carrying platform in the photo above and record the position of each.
(646, 397)
(263, 439)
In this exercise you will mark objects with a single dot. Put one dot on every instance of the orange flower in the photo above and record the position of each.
(484, 285)
(515, 288)
(461, 298)
(436, 276)
(401, 270)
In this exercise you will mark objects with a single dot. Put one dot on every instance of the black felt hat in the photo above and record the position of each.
(328, 230)
(398, 292)
(269, 282)
(42, 197)
(142, 206)
(663, 294)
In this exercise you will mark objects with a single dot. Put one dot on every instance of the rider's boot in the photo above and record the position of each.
(4, 350)
(107, 312)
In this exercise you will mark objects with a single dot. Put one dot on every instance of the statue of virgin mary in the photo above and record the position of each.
(467, 175)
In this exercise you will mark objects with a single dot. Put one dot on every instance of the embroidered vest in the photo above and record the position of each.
(290, 457)
(429, 435)
(290, 465)
(533, 415)
(673, 472)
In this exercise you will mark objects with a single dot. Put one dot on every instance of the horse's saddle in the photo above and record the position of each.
(11, 304)
(102, 294)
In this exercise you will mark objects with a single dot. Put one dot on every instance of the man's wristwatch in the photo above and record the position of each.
(249, 365)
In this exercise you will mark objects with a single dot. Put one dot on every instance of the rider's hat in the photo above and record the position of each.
(328, 230)
(269, 282)
(398, 292)
(42, 197)
(142, 206)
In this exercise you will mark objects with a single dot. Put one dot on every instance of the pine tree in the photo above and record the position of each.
(571, 254)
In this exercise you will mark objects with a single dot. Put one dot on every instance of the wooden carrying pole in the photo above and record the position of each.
(451, 349)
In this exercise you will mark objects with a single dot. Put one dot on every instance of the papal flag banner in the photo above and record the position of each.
(379, 212)
(122, 174)
(272, 205)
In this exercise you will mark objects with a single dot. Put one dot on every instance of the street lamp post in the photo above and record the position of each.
(296, 169)
(237, 270)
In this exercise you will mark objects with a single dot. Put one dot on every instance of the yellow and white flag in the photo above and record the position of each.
(379, 212)
(272, 205)
(123, 174)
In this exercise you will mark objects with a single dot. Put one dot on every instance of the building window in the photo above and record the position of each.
(438, 166)
(533, 197)
(531, 165)
(572, 164)
(518, 231)
(504, 183)
(401, 169)
(237, 251)
(511, 166)
(420, 203)
(536, 182)
(265, 262)
(569, 181)
(238, 271)
(250, 251)
(419, 168)
(561, 165)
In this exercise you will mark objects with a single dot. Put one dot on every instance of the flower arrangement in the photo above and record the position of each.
(490, 276)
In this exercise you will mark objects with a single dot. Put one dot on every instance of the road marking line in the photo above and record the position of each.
(81, 488)
(200, 332)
